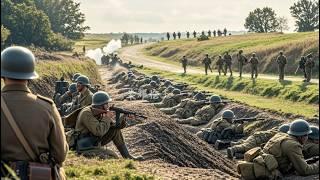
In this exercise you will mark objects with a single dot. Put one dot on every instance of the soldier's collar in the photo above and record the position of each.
(15, 87)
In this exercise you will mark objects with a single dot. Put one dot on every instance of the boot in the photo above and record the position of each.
(125, 153)
(230, 153)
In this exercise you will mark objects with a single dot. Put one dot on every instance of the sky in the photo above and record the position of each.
(133, 16)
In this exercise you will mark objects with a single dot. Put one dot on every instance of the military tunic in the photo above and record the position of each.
(227, 64)
(241, 60)
(282, 61)
(202, 116)
(308, 68)
(219, 64)
(254, 66)
(310, 149)
(207, 62)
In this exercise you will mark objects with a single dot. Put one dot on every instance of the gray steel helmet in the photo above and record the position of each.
(170, 88)
(176, 91)
(299, 127)
(84, 80)
(199, 96)
(153, 83)
(167, 83)
(129, 72)
(215, 99)
(147, 80)
(100, 98)
(284, 128)
(18, 63)
(228, 114)
(154, 78)
(73, 87)
(315, 133)
(75, 76)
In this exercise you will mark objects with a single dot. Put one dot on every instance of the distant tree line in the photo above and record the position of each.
(305, 12)
(127, 39)
(52, 24)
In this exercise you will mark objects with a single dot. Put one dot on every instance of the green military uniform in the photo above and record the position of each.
(207, 62)
(169, 100)
(308, 68)
(288, 152)
(242, 60)
(187, 108)
(184, 62)
(282, 61)
(254, 66)
(219, 64)
(228, 63)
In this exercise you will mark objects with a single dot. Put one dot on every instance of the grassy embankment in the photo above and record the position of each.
(287, 97)
(266, 47)
(92, 41)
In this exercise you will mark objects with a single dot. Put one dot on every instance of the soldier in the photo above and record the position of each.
(209, 33)
(258, 139)
(60, 88)
(168, 36)
(179, 35)
(221, 127)
(188, 34)
(254, 65)
(287, 149)
(282, 61)
(84, 97)
(84, 50)
(63, 102)
(174, 35)
(228, 63)
(184, 62)
(225, 31)
(22, 109)
(148, 88)
(187, 108)
(170, 100)
(207, 62)
(75, 76)
(194, 34)
(214, 33)
(205, 114)
(219, 64)
(242, 60)
(105, 60)
(311, 148)
(97, 128)
(308, 67)
(141, 40)
(301, 66)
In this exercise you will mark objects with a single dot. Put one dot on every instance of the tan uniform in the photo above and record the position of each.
(101, 127)
(282, 61)
(39, 122)
(310, 149)
(187, 108)
(202, 116)
(308, 68)
(254, 66)
(169, 100)
(82, 100)
(257, 139)
(219, 65)
(288, 152)
(227, 64)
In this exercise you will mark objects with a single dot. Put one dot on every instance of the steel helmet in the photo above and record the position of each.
(215, 99)
(73, 87)
(299, 127)
(199, 96)
(315, 133)
(75, 76)
(84, 80)
(153, 83)
(154, 78)
(284, 128)
(147, 80)
(167, 83)
(170, 88)
(176, 91)
(228, 114)
(100, 98)
(18, 63)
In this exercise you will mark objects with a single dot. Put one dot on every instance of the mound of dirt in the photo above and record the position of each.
(169, 142)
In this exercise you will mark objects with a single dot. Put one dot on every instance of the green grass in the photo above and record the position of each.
(78, 167)
(92, 41)
(288, 97)
(266, 46)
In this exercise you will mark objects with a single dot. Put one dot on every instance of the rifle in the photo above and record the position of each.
(242, 120)
(297, 69)
(312, 160)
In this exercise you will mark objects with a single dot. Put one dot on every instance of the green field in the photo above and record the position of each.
(287, 97)
(266, 46)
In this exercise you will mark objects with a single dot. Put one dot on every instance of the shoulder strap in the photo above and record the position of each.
(16, 130)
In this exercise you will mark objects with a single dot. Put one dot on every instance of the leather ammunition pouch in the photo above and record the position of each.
(31, 170)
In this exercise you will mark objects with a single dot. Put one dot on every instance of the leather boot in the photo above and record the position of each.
(125, 153)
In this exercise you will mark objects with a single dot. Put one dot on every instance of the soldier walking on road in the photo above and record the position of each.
(214, 33)
(228, 63)
(254, 65)
(209, 33)
(308, 67)
(219, 64)
(242, 60)
(168, 36)
(84, 50)
(194, 34)
(184, 62)
(31, 127)
(188, 34)
(301, 66)
(174, 35)
(282, 61)
(207, 62)
(179, 35)
(225, 31)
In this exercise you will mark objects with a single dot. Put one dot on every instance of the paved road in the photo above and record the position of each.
(135, 55)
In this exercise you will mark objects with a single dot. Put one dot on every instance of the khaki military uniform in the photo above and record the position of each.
(202, 116)
(282, 61)
(255, 140)
(169, 100)
(147, 88)
(310, 149)
(242, 61)
(184, 62)
(308, 68)
(288, 152)
(100, 127)
(254, 66)
(207, 62)
(82, 100)
(219, 64)
(39, 122)
(187, 108)
(227, 64)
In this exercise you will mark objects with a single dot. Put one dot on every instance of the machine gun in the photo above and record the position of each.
(250, 119)
(312, 160)
(119, 111)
